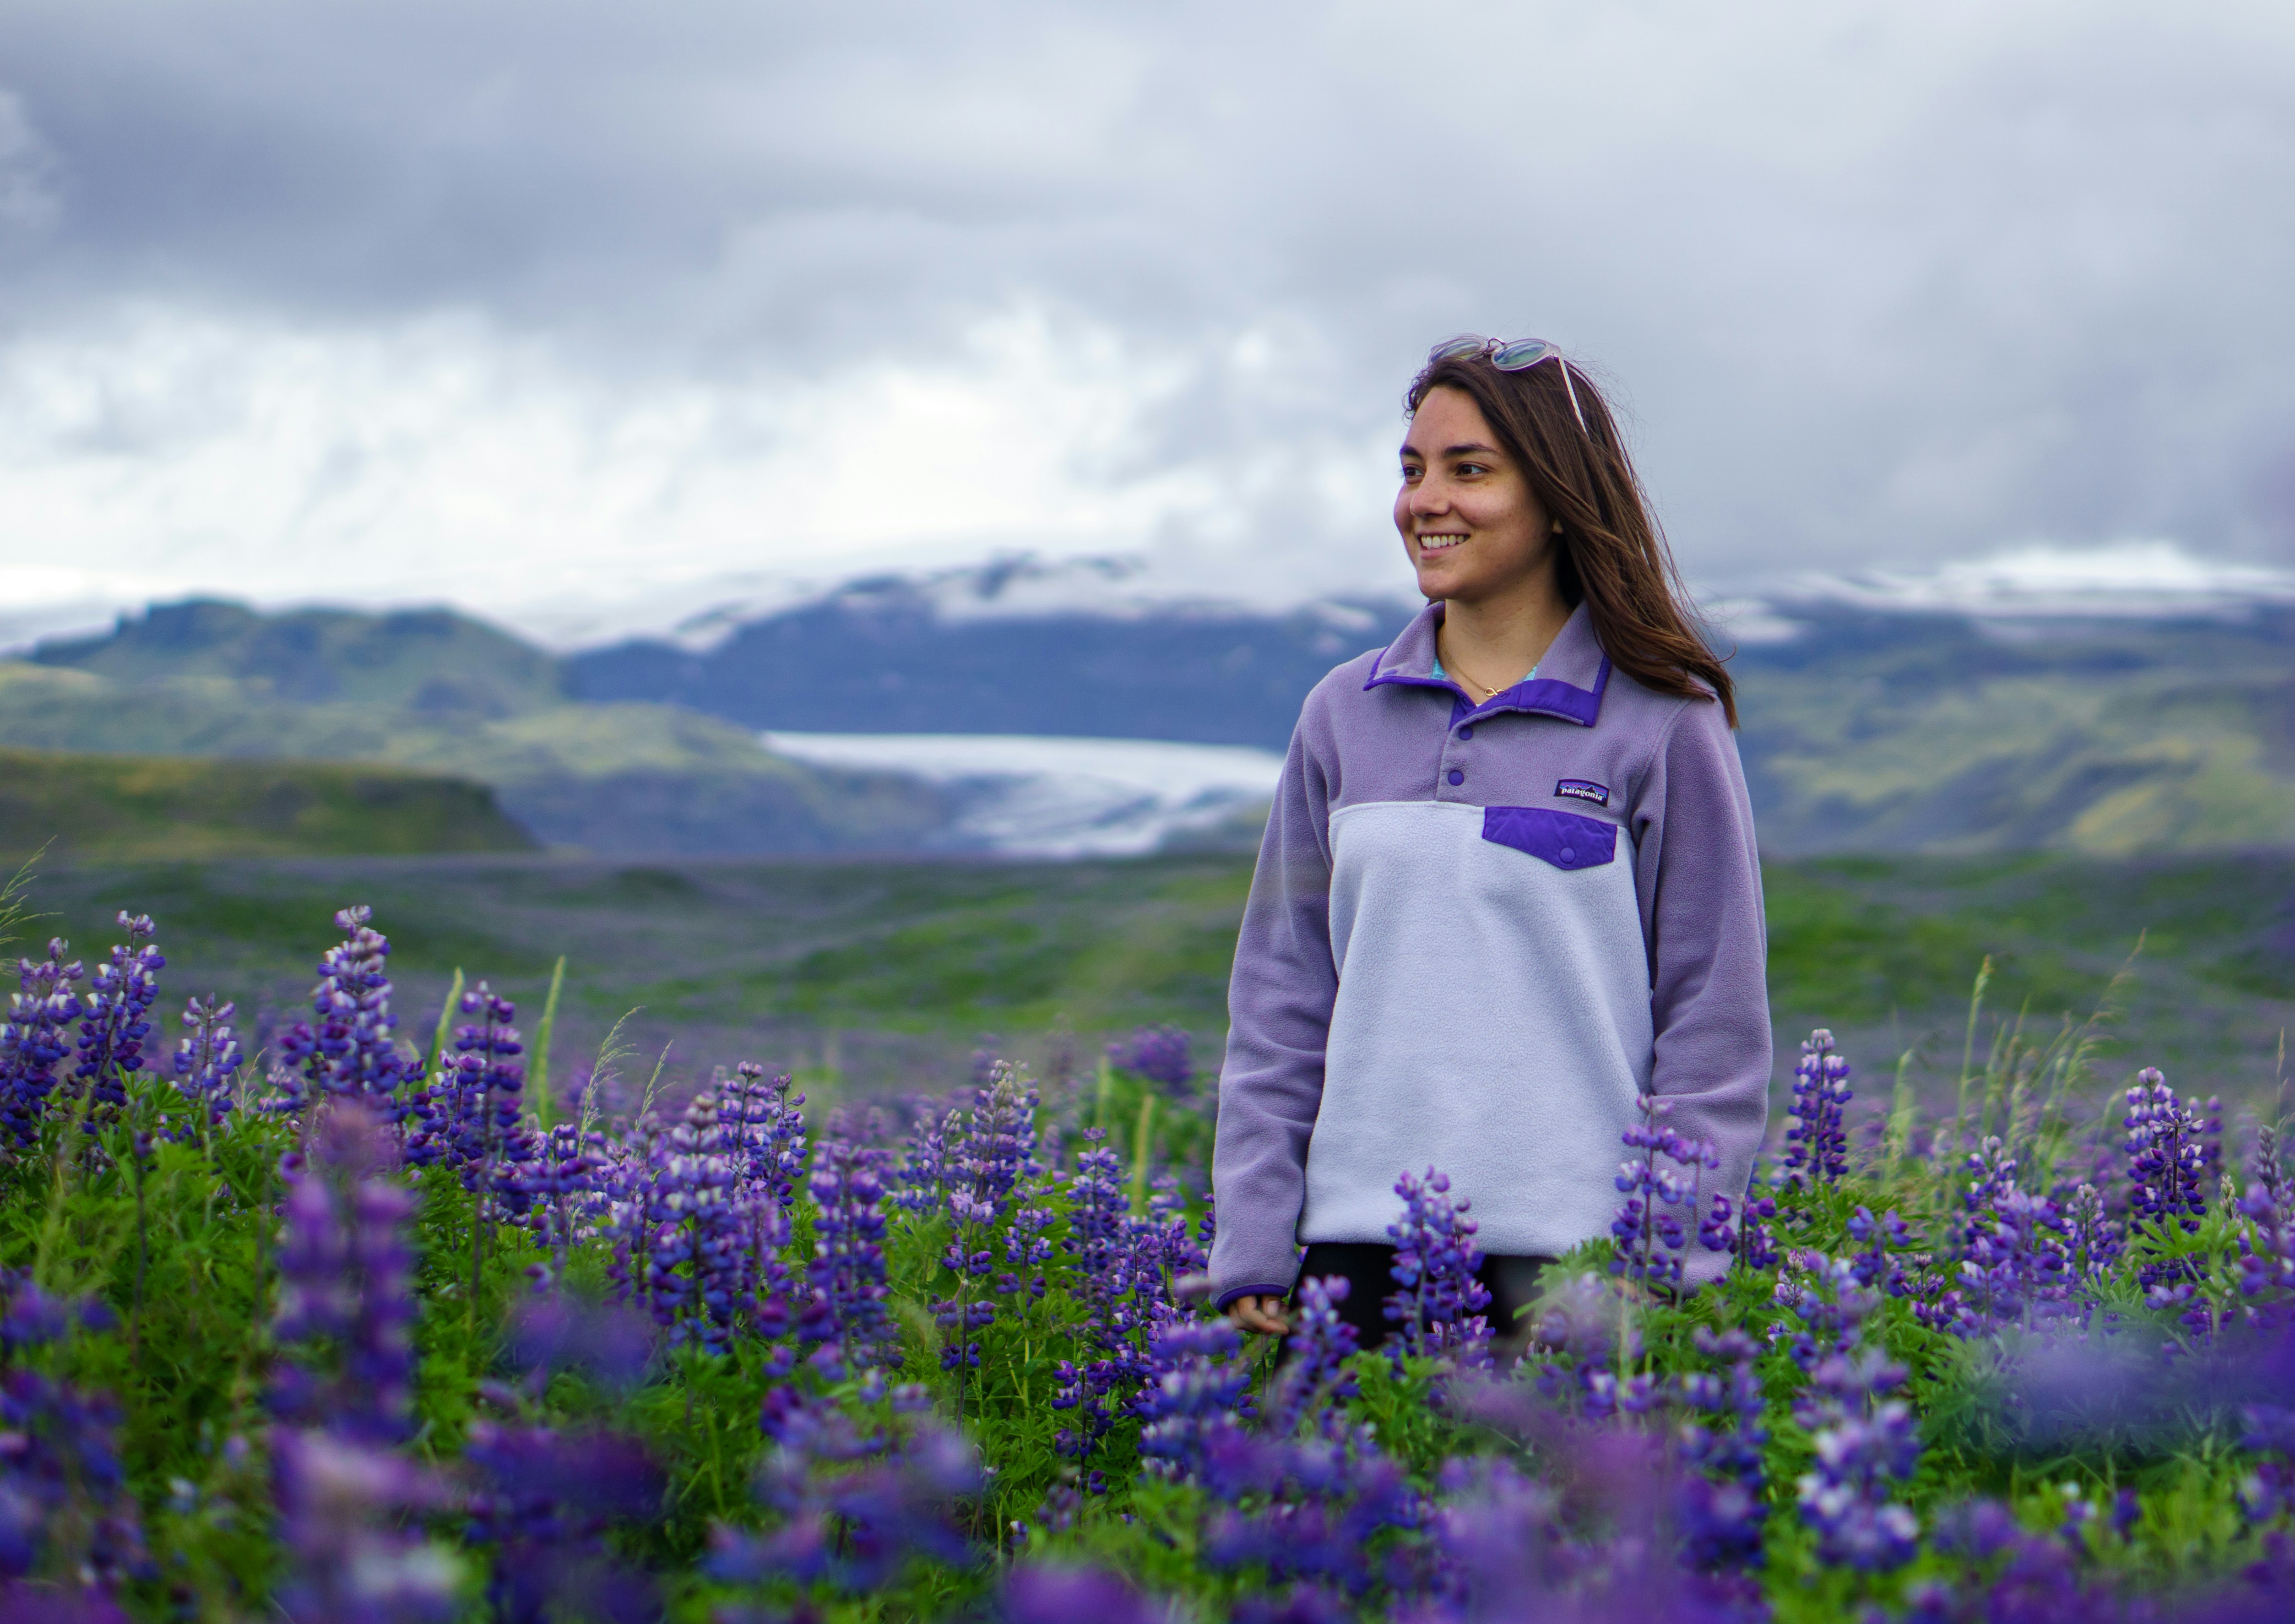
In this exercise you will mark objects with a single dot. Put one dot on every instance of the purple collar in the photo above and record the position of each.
(1575, 670)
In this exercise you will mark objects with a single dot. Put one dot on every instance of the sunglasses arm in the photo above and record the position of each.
(1571, 390)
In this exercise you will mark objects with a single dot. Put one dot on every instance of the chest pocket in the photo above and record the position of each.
(1564, 839)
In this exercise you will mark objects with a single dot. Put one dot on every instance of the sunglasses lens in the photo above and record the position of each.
(1451, 349)
(1529, 353)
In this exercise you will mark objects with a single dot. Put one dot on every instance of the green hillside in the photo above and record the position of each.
(629, 778)
(1869, 732)
(429, 661)
(1932, 733)
(125, 808)
(890, 974)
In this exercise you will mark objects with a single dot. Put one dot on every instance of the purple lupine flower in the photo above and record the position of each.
(2266, 1252)
(1315, 1381)
(1723, 1506)
(1302, 1498)
(346, 1284)
(343, 1388)
(1715, 1231)
(343, 1507)
(847, 1279)
(31, 1317)
(711, 1248)
(2166, 1156)
(2268, 1488)
(2270, 1163)
(114, 1016)
(1437, 1304)
(543, 1502)
(565, 1184)
(1650, 1218)
(765, 1128)
(1823, 1294)
(1865, 1445)
(64, 1505)
(1100, 1389)
(1757, 1237)
(1157, 1053)
(923, 1172)
(1038, 1593)
(481, 1101)
(2211, 1136)
(287, 1093)
(33, 1040)
(988, 1150)
(349, 1048)
(1317, 1504)
(1499, 1546)
(1028, 1245)
(1163, 1248)
(1817, 1144)
(1576, 1545)
(1875, 1269)
(1195, 1407)
(1579, 1328)
(853, 1530)
(207, 1062)
(2008, 1572)
(2011, 1247)
(995, 1149)
(2092, 1240)
(609, 1345)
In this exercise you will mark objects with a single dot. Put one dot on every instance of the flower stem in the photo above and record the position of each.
(1140, 1148)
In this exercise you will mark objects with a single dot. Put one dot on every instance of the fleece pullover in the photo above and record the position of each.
(1477, 935)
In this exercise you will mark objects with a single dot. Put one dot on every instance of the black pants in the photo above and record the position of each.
(1512, 1283)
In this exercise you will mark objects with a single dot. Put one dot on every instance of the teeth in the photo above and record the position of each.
(1436, 543)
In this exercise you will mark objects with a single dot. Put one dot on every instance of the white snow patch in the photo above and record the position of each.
(1025, 796)
(2143, 578)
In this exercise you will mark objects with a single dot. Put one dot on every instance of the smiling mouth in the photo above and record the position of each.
(1442, 543)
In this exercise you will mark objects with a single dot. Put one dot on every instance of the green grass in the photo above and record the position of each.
(890, 974)
(131, 807)
(179, 1239)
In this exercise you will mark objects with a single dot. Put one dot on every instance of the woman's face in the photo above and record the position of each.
(1469, 522)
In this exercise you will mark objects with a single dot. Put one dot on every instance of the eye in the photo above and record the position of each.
(1473, 468)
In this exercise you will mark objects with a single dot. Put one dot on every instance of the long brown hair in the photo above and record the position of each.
(1614, 557)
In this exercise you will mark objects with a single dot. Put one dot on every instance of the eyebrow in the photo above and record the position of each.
(1470, 449)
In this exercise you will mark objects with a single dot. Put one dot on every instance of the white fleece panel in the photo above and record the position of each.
(1492, 1021)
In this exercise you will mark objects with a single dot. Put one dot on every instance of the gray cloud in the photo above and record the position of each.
(1875, 283)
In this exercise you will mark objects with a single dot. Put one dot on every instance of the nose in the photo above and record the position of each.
(1427, 497)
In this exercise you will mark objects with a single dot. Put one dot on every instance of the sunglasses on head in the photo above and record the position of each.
(1519, 356)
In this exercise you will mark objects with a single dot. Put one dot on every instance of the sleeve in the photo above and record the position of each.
(1699, 877)
(1280, 1003)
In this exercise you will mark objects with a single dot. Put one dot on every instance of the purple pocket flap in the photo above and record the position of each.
(1561, 838)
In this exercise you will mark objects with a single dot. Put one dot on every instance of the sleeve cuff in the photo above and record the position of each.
(1225, 1298)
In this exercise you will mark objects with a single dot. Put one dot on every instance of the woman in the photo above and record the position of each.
(1509, 885)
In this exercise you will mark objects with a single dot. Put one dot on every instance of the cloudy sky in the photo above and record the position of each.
(538, 306)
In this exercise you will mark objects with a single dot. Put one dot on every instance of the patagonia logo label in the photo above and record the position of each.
(1580, 789)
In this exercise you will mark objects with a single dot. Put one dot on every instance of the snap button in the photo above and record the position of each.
(1568, 854)
(1468, 731)
(1458, 777)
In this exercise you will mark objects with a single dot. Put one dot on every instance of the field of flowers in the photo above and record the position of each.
(387, 1324)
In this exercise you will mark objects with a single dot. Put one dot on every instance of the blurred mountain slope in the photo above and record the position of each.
(1864, 729)
(129, 808)
(1880, 732)
(621, 777)
(889, 658)
(428, 661)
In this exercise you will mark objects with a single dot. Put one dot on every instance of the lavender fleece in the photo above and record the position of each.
(1476, 935)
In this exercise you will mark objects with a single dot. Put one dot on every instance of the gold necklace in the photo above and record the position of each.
(1472, 681)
